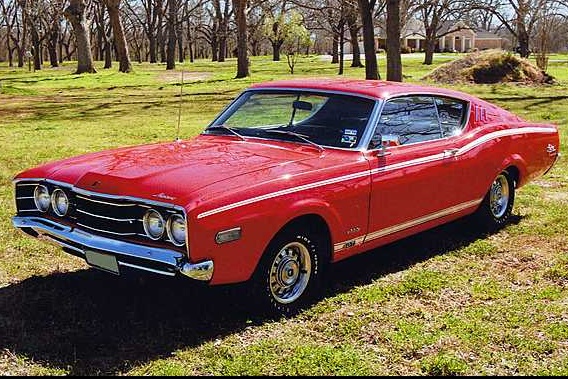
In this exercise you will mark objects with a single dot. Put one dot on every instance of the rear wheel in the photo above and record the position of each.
(289, 274)
(496, 208)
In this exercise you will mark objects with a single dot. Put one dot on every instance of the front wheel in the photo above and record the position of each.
(289, 274)
(496, 208)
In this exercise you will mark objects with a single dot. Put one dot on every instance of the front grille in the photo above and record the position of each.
(112, 217)
(109, 216)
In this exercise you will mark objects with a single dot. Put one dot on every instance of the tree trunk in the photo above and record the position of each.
(152, 46)
(75, 13)
(429, 47)
(242, 56)
(222, 48)
(334, 48)
(523, 38)
(113, 7)
(171, 52)
(354, 35)
(160, 30)
(108, 53)
(394, 64)
(36, 48)
(214, 47)
(341, 48)
(371, 67)
(276, 45)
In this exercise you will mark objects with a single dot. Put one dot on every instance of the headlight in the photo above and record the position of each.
(154, 224)
(41, 198)
(176, 229)
(59, 202)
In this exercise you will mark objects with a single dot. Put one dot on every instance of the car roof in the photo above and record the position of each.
(379, 89)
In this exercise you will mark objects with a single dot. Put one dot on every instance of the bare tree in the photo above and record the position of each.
(351, 16)
(519, 17)
(10, 14)
(435, 15)
(367, 7)
(394, 64)
(113, 7)
(75, 13)
(242, 46)
(223, 13)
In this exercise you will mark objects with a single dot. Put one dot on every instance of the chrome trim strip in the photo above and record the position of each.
(427, 159)
(106, 231)
(432, 216)
(146, 269)
(25, 197)
(106, 203)
(108, 218)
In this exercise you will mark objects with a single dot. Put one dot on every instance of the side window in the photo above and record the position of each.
(408, 120)
(452, 114)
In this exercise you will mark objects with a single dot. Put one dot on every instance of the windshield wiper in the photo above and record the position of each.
(297, 135)
(225, 127)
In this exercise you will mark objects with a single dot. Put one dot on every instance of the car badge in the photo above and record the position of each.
(550, 149)
(96, 183)
(163, 196)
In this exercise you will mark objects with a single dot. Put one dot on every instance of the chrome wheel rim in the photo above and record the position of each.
(499, 196)
(290, 272)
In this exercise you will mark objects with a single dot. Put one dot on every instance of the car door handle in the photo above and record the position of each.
(450, 153)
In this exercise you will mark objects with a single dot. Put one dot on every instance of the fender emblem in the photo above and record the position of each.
(550, 149)
(163, 196)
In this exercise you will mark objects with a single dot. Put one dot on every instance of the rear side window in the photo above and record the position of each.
(452, 114)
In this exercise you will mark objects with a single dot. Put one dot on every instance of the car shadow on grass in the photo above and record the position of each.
(89, 322)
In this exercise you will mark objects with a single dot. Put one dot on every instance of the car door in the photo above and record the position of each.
(414, 176)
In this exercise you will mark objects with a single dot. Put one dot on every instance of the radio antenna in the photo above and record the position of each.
(179, 111)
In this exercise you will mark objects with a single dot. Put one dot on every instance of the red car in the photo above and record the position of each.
(290, 177)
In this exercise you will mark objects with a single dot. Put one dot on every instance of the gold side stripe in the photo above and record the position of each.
(406, 225)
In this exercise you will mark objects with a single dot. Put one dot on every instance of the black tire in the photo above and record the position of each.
(497, 205)
(289, 275)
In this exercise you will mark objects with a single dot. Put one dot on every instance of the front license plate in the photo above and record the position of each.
(102, 261)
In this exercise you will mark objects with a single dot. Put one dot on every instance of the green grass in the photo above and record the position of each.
(450, 301)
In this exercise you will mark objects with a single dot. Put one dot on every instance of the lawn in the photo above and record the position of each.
(450, 301)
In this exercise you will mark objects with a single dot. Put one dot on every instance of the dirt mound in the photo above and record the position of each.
(490, 66)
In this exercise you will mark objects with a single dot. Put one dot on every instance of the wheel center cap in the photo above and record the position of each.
(289, 272)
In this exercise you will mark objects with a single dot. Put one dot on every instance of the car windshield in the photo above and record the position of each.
(322, 119)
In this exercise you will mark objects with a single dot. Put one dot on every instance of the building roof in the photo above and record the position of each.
(484, 34)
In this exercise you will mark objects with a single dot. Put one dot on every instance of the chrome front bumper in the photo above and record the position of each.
(76, 241)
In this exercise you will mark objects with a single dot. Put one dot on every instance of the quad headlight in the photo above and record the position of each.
(154, 224)
(42, 198)
(176, 229)
(59, 202)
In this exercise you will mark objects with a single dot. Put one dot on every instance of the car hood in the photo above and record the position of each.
(170, 172)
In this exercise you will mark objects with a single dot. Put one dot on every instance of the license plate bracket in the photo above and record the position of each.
(101, 261)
